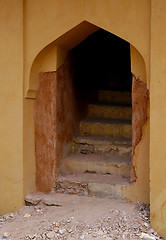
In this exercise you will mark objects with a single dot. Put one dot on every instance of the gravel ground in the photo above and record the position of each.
(77, 217)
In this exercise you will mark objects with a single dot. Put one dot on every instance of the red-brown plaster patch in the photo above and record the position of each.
(140, 97)
(57, 116)
(45, 135)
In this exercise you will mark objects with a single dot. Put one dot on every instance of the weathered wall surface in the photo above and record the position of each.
(140, 188)
(57, 116)
(45, 131)
(11, 105)
(140, 97)
(158, 117)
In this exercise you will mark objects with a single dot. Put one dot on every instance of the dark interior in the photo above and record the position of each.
(102, 61)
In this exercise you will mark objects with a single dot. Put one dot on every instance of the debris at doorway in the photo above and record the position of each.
(80, 218)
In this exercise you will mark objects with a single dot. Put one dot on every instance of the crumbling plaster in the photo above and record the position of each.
(140, 97)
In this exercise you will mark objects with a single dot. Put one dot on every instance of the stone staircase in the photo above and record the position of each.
(101, 160)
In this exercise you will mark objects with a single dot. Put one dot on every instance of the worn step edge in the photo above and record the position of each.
(109, 111)
(74, 184)
(97, 163)
(105, 127)
(104, 140)
(118, 97)
(107, 121)
(94, 144)
(50, 199)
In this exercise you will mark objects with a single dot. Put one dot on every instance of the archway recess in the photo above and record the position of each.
(53, 56)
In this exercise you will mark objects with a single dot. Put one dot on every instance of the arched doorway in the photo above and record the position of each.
(94, 82)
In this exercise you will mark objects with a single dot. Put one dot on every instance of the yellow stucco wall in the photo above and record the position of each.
(158, 117)
(62, 25)
(36, 24)
(29, 160)
(127, 19)
(32, 25)
(11, 105)
(27, 28)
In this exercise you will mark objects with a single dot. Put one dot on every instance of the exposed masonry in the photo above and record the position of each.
(72, 188)
(88, 184)
(140, 98)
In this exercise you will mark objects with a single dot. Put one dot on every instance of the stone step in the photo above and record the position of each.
(91, 184)
(112, 164)
(106, 128)
(110, 111)
(95, 144)
(116, 97)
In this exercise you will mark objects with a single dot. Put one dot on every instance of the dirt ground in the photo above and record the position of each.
(76, 217)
